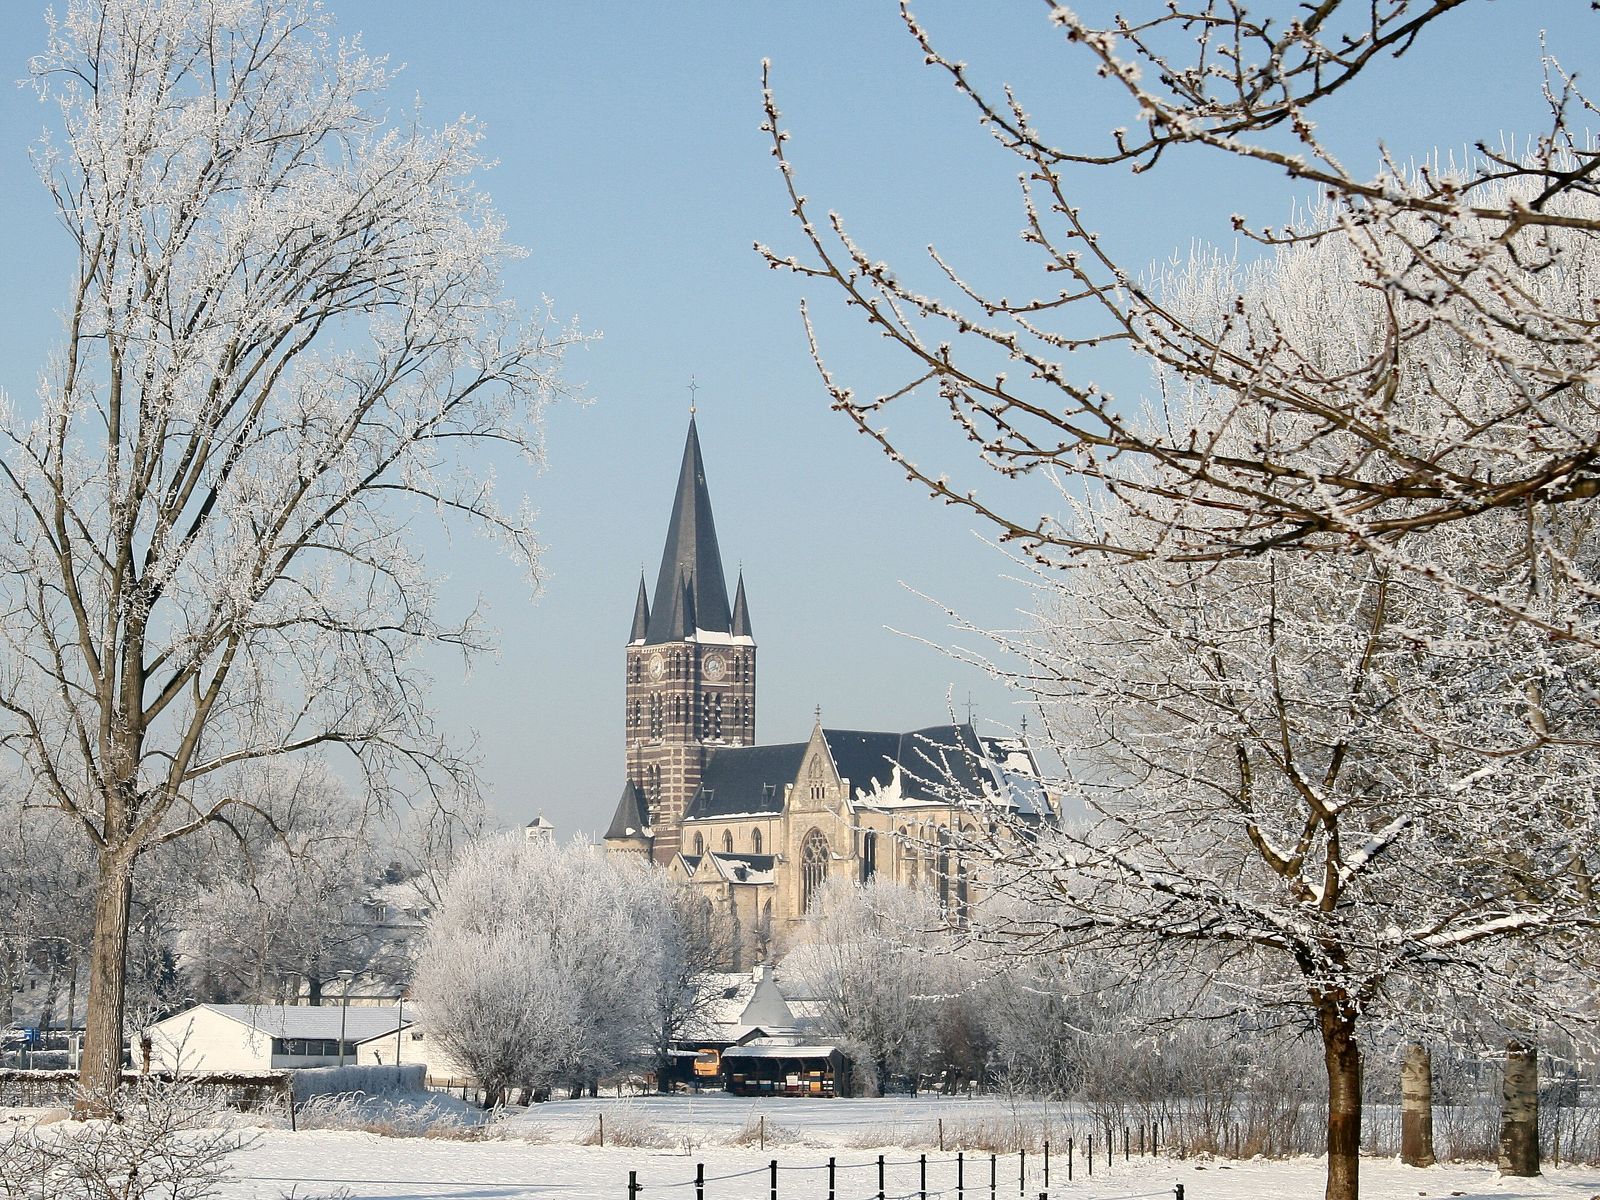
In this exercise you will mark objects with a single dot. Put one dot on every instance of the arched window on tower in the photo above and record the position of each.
(755, 840)
(727, 841)
(869, 855)
(813, 867)
(655, 715)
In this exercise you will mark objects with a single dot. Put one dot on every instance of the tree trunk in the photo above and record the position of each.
(1519, 1112)
(1416, 1107)
(100, 1069)
(1342, 1057)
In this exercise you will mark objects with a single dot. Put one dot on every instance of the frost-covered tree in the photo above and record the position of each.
(541, 967)
(1296, 798)
(684, 941)
(876, 957)
(285, 343)
(281, 906)
(1496, 253)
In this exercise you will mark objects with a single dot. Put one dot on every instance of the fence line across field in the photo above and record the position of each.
(1025, 1188)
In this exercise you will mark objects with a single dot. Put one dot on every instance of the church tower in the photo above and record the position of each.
(691, 673)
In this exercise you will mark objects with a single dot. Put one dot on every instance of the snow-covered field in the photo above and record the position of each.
(509, 1167)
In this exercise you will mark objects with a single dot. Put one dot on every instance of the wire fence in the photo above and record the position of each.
(961, 1176)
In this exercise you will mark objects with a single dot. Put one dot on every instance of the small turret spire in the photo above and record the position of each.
(641, 614)
(741, 611)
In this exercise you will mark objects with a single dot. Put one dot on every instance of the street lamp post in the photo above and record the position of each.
(344, 1010)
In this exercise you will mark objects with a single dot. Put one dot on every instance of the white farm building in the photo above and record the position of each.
(263, 1037)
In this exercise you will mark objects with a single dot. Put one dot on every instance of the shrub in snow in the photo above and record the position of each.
(162, 1140)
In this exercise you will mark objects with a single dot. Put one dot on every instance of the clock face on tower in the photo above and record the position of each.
(715, 667)
(658, 666)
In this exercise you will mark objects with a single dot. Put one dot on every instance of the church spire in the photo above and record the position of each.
(641, 614)
(741, 612)
(691, 554)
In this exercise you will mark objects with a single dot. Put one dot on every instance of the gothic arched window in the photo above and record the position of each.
(699, 843)
(869, 855)
(755, 840)
(727, 841)
(655, 715)
(813, 867)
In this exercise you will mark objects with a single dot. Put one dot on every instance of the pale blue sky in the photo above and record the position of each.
(631, 164)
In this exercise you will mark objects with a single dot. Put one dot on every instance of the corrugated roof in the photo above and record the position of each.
(764, 1050)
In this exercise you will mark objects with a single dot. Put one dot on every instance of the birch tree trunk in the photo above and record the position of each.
(1342, 1057)
(1416, 1107)
(1519, 1112)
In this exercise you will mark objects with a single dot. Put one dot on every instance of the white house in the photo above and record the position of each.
(262, 1037)
(412, 1045)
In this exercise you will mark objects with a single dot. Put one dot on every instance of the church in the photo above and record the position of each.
(757, 830)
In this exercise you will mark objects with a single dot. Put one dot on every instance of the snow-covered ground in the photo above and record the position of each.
(376, 1168)
(537, 1154)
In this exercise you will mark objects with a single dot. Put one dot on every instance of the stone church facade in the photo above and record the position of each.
(756, 829)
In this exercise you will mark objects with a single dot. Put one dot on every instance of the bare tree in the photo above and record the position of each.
(1496, 255)
(285, 343)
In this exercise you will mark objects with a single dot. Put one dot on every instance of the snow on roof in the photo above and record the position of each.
(780, 1050)
(304, 1020)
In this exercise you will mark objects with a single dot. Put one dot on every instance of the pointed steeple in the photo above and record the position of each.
(691, 553)
(741, 612)
(641, 614)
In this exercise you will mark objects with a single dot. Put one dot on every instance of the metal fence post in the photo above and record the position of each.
(922, 1175)
(880, 1177)
(961, 1175)
(1022, 1172)
(991, 1178)
(830, 1180)
(700, 1182)
(774, 1168)
(633, 1185)
(1047, 1164)
(1069, 1160)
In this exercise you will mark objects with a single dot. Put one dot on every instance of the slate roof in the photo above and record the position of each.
(745, 779)
(741, 611)
(641, 614)
(934, 765)
(691, 561)
(631, 818)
